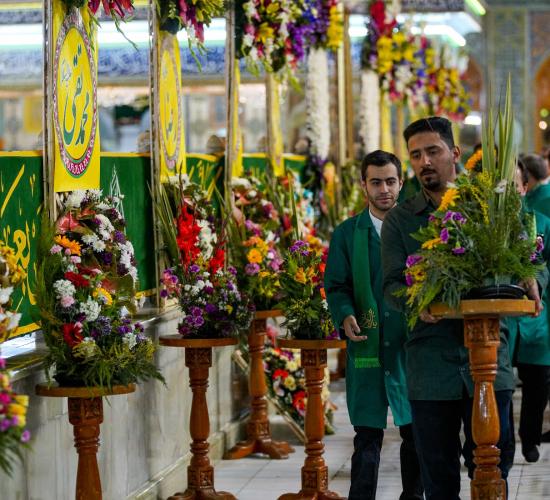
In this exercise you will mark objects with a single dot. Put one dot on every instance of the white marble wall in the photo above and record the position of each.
(144, 436)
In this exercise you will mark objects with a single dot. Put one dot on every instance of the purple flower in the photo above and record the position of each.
(5, 424)
(120, 237)
(26, 436)
(210, 308)
(232, 270)
(106, 257)
(164, 293)
(194, 268)
(251, 269)
(540, 244)
(2, 363)
(209, 290)
(454, 216)
(459, 250)
(409, 279)
(444, 235)
(297, 245)
(183, 330)
(432, 218)
(196, 311)
(533, 257)
(199, 321)
(413, 259)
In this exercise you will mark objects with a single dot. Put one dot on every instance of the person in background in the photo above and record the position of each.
(375, 376)
(440, 386)
(538, 193)
(529, 343)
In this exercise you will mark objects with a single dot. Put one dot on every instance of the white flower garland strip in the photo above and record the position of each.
(370, 110)
(318, 102)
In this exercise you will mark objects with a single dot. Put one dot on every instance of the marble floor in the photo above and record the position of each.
(263, 479)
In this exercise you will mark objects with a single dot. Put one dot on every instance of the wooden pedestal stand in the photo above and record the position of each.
(200, 474)
(257, 430)
(314, 471)
(86, 415)
(482, 338)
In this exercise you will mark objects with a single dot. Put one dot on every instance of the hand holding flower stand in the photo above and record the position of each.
(86, 415)
(314, 471)
(257, 430)
(198, 358)
(482, 338)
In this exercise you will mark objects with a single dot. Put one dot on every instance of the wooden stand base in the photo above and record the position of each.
(200, 474)
(86, 415)
(257, 429)
(314, 471)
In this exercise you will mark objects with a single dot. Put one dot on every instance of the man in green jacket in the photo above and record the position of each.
(538, 191)
(375, 375)
(438, 374)
(529, 341)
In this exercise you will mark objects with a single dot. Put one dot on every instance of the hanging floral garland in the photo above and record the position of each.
(190, 15)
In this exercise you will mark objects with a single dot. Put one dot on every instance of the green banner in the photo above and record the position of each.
(21, 195)
(133, 172)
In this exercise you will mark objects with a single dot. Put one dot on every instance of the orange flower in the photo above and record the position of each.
(431, 243)
(323, 293)
(474, 160)
(65, 242)
(254, 256)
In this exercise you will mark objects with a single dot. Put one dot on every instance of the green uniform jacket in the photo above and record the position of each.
(539, 199)
(369, 390)
(532, 346)
(437, 361)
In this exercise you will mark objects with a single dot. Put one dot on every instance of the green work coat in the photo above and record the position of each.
(369, 390)
(529, 338)
(437, 361)
(539, 199)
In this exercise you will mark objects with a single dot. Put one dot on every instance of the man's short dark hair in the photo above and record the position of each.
(431, 124)
(536, 166)
(379, 158)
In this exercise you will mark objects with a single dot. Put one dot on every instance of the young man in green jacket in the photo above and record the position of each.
(538, 190)
(375, 374)
(438, 373)
(529, 341)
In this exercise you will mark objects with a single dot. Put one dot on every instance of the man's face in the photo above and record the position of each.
(521, 188)
(432, 160)
(382, 186)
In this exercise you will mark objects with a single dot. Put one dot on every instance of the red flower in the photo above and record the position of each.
(187, 237)
(299, 402)
(72, 334)
(217, 260)
(287, 223)
(279, 373)
(77, 280)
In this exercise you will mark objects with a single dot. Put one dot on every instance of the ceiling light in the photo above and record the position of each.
(543, 125)
(472, 120)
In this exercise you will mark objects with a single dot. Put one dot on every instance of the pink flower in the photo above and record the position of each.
(56, 249)
(67, 301)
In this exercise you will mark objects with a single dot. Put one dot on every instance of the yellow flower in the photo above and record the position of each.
(300, 276)
(254, 256)
(265, 31)
(73, 246)
(335, 31)
(229, 308)
(21, 399)
(431, 243)
(104, 294)
(290, 383)
(473, 160)
(291, 366)
(448, 199)
(16, 409)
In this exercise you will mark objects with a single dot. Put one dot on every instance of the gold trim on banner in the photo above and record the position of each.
(275, 146)
(21, 154)
(386, 142)
(236, 132)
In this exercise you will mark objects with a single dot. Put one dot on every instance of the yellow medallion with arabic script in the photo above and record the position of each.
(170, 104)
(74, 95)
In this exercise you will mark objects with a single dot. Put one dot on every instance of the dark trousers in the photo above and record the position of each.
(534, 397)
(365, 461)
(436, 427)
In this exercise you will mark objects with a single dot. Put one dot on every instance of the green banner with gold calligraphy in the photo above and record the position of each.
(21, 195)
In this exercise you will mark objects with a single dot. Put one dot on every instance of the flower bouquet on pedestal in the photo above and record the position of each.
(208, 294)
(85, 291)
(11, 275)
(304, 302)
(477, 237)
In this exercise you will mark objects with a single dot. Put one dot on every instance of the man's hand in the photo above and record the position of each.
(427, 317)
(533, 293)
(351, 328)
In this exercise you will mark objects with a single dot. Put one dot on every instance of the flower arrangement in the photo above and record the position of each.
(477, 236)
(285, 380)
(208, 294)
(85, 290)
(118, 10)
(304, 303)
(13, 411)
(191, 15)
(11, 275)
(255, 231)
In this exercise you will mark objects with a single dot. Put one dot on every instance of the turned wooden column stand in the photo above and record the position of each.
(86, 415)
(198, 358)
(482, 338)
(257, 429)
(314, 471)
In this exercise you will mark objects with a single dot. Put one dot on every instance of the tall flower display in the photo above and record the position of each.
(208, 293)
(85, 291)
(477, 235)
